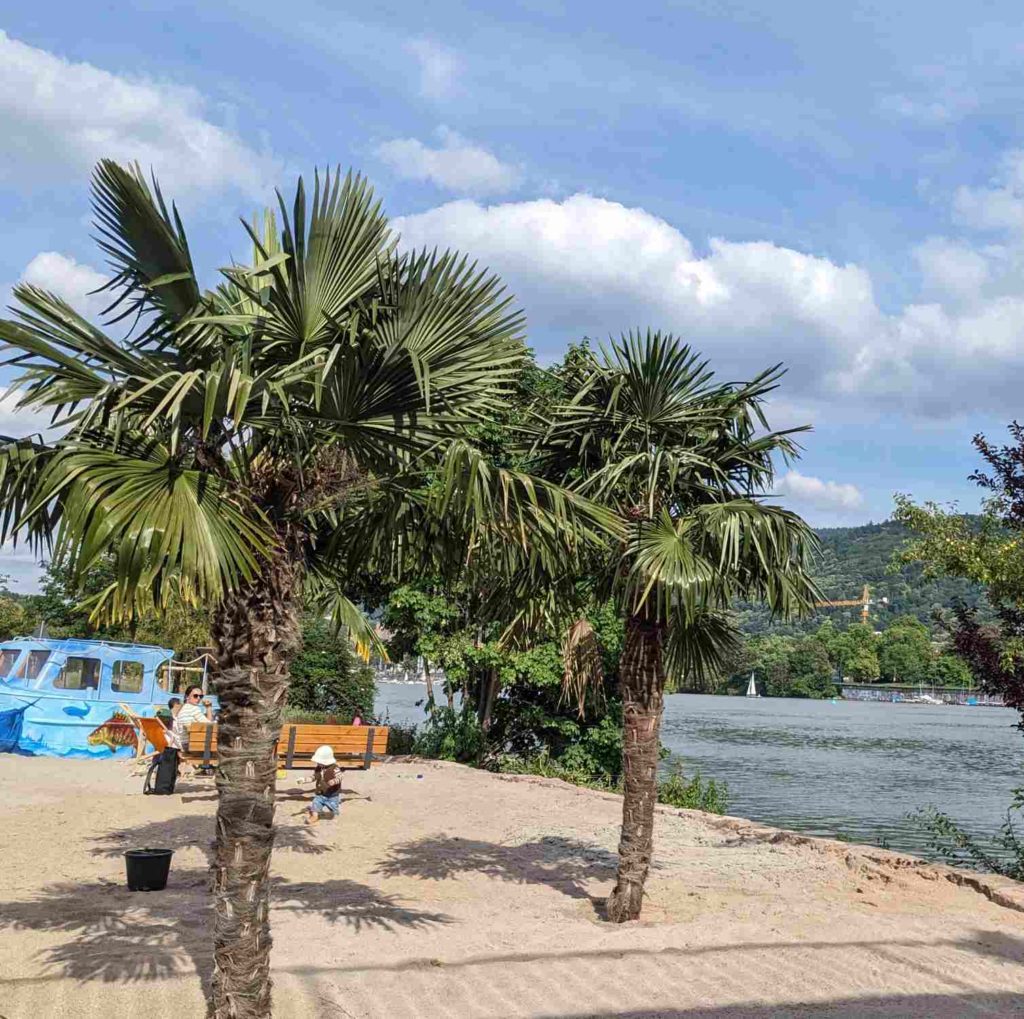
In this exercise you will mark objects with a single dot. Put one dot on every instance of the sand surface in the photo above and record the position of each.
(448, 893)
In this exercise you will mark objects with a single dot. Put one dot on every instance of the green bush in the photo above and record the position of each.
(450, 735)
(1003, 854)
(546, 766)
(693, 793)
(675, 791)
(401, 738)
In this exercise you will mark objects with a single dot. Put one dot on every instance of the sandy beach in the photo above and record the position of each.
(444, 892)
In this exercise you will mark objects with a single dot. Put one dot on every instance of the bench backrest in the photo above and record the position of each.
(297, 741)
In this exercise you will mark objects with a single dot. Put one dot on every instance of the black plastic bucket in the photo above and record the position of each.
(148, 869)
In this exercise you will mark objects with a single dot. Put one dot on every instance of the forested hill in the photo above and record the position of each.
(854, 556)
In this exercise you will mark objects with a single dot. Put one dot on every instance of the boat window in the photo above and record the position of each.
(33, 664)
(127, 677)
(79, 674)
(8, 656)
(164, 678)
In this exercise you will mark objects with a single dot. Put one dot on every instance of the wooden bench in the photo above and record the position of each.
(354, 746)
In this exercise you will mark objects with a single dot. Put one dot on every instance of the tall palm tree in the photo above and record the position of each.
(245, 446)
(685, 461)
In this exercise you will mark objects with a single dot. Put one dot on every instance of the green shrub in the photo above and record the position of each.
(1002, 854)
(450, 735)
(299, 716)
(694, 793)
(401, 738)
(676, 790)
(546, 766)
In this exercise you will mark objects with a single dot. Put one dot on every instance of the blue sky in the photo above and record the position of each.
(840, 187)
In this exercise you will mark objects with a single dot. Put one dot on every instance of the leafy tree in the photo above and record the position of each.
(423, 620)
(987, 550)
(855, 653)
(769, 656)
(254, 447)
(904, 651)
(949, 670)
(810, 671)
(13, 618)
(327, 676)
(685, 460)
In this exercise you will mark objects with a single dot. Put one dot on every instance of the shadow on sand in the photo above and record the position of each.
(566, 865)
(119, 936)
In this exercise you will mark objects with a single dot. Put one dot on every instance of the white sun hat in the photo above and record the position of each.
(324, 755)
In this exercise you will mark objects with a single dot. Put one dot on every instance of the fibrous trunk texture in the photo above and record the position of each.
(256, 632)
(643, 687)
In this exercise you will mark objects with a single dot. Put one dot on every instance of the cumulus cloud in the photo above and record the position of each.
(69, 279)
(817, 494)
(952, 268)
(59, 116)
(439, 68)
(456, 165)
(589, 266)
(586, 265)
(1000, 205)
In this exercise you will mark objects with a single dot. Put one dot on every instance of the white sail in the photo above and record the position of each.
(752, 687)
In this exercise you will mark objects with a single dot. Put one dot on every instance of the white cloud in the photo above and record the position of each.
(1000, 206)
(69, 279)
(952, 268)
(59, 116)
(588, 266)
(817, 494)
(457, 165)
(439, 68)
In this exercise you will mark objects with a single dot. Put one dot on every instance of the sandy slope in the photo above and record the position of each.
(462, 894)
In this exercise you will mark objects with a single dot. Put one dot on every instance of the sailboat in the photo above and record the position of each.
(752, 687)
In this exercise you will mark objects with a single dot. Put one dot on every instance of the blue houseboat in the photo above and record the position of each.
(63, 698)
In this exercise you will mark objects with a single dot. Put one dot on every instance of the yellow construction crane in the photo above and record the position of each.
(864, 601)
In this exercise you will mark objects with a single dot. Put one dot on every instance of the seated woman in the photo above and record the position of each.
(192, 711)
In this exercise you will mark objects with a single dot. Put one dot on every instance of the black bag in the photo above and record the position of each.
(162, 774)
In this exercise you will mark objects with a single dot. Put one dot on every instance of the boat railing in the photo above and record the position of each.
(85, 640)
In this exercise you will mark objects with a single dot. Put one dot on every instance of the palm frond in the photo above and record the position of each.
(699, 647)
(325, 595)
(584, 670)
(145, 243)
(158, 519)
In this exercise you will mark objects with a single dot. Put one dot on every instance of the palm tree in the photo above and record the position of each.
(685, 461)
(248, 446)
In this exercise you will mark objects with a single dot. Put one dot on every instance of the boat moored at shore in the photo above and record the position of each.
(67, 698)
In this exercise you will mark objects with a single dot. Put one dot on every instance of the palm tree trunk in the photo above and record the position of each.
(643, 686)
(256, 633)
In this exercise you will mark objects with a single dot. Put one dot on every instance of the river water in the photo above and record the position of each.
(850, 770)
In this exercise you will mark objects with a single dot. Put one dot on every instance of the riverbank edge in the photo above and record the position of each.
(873, 863)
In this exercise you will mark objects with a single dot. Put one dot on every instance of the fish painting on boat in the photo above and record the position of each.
(116, 731)
(68, 698)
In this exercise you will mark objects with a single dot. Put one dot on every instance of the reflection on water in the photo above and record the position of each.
(851, 770)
